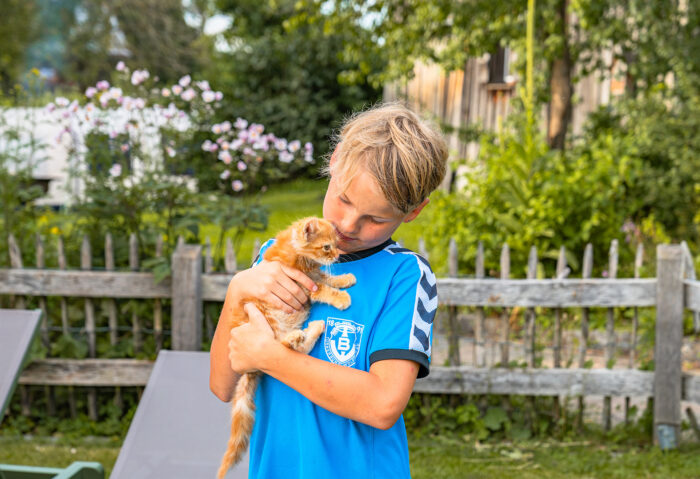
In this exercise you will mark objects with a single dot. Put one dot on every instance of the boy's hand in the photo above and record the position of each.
(274, 284)
(250, 342)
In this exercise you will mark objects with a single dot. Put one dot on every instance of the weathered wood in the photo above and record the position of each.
(551, 293)
(111, 304)
(187, 298)
(87, 372)
(89, 284)
(63, 264)
(230, 258)
(537, 382)
(505, 314)
(583, 346)
(157, 305)
(208, 268)
(256, 250)
(690, 274)
(668, 343)
(86, 264)
(15, 262)
(453, 353)
(530, 316)
(638, 259)
(561, 273)
(610, 335)
(480, 326)
(692, 294)
(422, 249)
(45, 320)
(134, 266)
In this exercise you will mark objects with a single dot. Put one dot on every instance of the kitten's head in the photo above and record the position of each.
(316, 239)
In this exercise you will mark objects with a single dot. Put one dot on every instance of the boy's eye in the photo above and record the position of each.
(343, 200)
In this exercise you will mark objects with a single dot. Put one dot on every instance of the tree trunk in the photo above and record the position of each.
(560, 85)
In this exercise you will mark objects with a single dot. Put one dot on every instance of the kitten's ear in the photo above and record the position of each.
(310, 229)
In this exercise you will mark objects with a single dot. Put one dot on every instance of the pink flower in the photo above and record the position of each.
(308, 147)
(170, 151)
(248, 151)
(241, 124)
(115, 170)
(120, 67)
(208, 96)
(188, 95)
(125, 147)
(204, 86)
(90, 92)
(219, 96)
(185, 81)
(225, 174)
(216, 129)
(242, 166)
(236, 144)
(294, 146)
(281, 144)
(285, 157)
(177, 89)
(50, 107)
(237, 185)
(102, 85)
(165, 92)
(225, 156)
(139, 76)
(605, 274)
(206, 146)
(226, 126)
(62, 101)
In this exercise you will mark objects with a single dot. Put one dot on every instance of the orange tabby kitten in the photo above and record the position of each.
(305, 245)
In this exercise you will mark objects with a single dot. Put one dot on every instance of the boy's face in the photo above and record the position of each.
(362, 216)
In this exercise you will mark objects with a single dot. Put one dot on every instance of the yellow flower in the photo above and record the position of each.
(35, 72)
(55, 230)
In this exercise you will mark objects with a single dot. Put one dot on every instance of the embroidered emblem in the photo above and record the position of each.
(342, 339)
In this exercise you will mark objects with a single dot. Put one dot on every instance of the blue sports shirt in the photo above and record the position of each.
(393, 306)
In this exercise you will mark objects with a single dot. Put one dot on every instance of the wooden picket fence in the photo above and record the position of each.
(194, 282)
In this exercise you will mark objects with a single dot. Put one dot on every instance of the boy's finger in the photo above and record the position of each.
(254, 314)
(300, 277)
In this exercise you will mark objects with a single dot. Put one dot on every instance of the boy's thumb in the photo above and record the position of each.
(254, 314)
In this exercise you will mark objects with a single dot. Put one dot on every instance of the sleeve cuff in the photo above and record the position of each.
(421, 358)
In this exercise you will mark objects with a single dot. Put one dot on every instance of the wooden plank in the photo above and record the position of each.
(134, 266)
(610, 334)
(87, 372)
(692, 294)
(530, 315)
(537, 382)
(158, 306)
(45, 325)
(208, 268)
(89, 284)
(505, 318)
(15, 262)
(690, 274)
(453, 354)
(551, 293)
(638, 259)
(65, 322)
(480, 326)
(668, 344)
(111, 303)
(187, 298)
(691, 387)
(86, 264)
(230, 258)
(583, 347)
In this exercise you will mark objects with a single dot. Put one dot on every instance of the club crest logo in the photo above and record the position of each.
(342, 339)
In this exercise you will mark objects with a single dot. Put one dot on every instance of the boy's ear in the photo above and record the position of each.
(413, 213)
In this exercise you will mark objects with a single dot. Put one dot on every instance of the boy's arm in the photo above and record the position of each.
(376, 398)
(268, 281)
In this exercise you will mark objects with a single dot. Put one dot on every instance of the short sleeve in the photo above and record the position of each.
(404, 327)
(265, 245)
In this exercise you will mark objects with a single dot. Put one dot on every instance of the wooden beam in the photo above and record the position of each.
(538, 382)
(88, 284)
(692, 294)
(553, 293)
(87, 372)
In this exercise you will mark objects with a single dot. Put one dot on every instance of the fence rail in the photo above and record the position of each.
(193, 282)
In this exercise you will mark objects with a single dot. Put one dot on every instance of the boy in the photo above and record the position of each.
(337, 412)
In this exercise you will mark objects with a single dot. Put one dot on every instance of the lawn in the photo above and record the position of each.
(293, 200)
(437, 458)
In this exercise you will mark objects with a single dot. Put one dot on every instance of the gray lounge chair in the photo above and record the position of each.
(180, 428)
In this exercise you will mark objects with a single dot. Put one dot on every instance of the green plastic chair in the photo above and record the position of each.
(77, 470)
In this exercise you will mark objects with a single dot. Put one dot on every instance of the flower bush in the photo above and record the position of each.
(150, 159)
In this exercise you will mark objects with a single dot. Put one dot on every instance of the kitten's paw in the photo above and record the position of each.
(315, 328)
(294, 339)
(347, 280)
(342, 300)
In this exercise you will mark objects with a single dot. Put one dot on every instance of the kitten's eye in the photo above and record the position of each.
(326, 247)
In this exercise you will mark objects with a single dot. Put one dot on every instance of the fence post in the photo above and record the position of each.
(187, 298)
(667, 350)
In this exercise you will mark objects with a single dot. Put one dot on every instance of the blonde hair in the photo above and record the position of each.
(406, 155)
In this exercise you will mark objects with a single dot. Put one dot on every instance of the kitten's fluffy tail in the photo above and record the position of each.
(242, 418)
